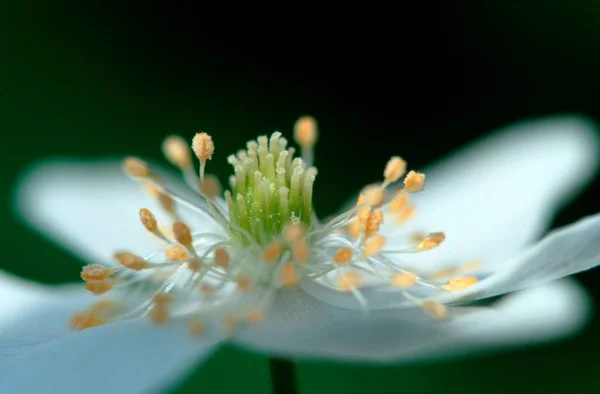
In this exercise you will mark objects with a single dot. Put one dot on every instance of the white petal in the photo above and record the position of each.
(91, 207)
(564, 251)
(301, 326)
(497, 195)
(132, 357)
(32, 313)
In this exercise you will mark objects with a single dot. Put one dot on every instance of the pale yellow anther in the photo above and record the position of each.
(456, 284)
(203, 147)
(293, 232)
(244, 283)
(272, 251)
(435, 309)
(363, 214)
(289, 275)
(300, 251)
(159, 314)
(348, 281)
(343, 256)
(414, 182)
(354, 228)
(373, 223)
(405, 214)
(166, 202)
(372, 195)
(305, 132)
(399, 203)
(196, 327)
(163, 298)
(373, 246)
(222, 258)
(431, 241)
(177, 253)
(195, 265)
(84, 320)
(177, 151)
(102, 307)
(99, 287)
(148, 220)
(131, 261)
(210, 186)
(404, 280)
(94, 272)
(182, 234)
(254, 315)
(136, 167)
(394, 169)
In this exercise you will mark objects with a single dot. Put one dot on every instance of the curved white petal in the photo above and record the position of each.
(301, 326)
(31, 313)
(39, 353)
(498, 194)
(131, 357)
(564, 251)
(91, 207)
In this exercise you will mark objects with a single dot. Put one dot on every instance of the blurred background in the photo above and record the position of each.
(88, 79)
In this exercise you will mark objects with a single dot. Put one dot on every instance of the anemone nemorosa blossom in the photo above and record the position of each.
(391, 278)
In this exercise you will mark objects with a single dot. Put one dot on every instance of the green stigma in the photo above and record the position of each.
(270, 189)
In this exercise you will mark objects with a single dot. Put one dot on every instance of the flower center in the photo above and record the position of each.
(270, 189)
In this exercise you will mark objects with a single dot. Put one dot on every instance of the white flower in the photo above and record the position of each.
(262, 272)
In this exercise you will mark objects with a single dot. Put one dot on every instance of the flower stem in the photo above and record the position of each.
(283, 376)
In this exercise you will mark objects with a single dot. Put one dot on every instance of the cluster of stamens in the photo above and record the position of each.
(267, 239)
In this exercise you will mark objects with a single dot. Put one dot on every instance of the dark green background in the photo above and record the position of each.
(106, 79)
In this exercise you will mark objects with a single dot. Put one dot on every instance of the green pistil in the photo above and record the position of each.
(269, 190)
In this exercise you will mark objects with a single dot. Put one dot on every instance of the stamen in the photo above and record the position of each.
(305, 134)
(343, 256)
(414, 182)
(211, 187)
(394, 169)
(136, 168)
(222, 258)
(131, 261)
(203, 147)
(372, 195)
(94, 272)
(289, 275)
(182, 234)
(435, 309)
(98, 287)
(373, 223)
(404, 280)
(83, 320)
(177, 253)
(272, 251)
(373, 246)
(176, 150)
(430, 241)
(300, 251)
(461, 283)
(348, 281)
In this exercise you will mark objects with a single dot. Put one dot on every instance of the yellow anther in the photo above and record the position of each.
(177, 151)
(305, 132)
(136, 168)
(443, 273)
(163, 298)
(272, 251)
(166, 202)
(94, 272)
(431, 241)
(203, 147)
(363, 214)
(254, 315)
(373, 223)
(372, 195)
(131, 261)
(405, 214)
(159, 314)
(373, 246)
(414, 182)
(399, 203)
(182, 234)
(98, 287)
(435, 309)
(210, 186)
(469, 266)
(293, 232)
(222, 258)
(348, 281)
(196, 327)
(102, 307)
(244, 283)
(394, 169)
(195, 265)
(177, 253)
(300, 251)
(404, 280)
(343, 256)
(148, 220)
(461, 283)
(83, 320)
(289, 275)
(354, 228)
